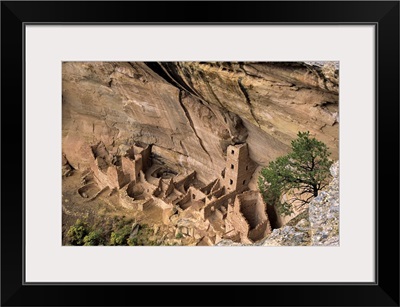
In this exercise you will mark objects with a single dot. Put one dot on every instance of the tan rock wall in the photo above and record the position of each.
(264, 104)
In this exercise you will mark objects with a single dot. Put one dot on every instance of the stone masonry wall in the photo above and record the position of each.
(260, 232)
(216, 204)
(252, 207)
(239, 168)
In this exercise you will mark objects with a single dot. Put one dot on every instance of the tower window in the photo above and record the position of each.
(244, 181)
(232, 152)
(247, 167)
(230, 181)
(232, 166)
(194, 196)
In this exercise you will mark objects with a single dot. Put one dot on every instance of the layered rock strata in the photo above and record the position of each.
(191, 111)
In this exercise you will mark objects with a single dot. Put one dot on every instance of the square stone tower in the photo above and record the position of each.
(239, 168)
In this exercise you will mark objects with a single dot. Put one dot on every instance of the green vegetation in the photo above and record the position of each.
(144, 237)
(94, 238)
(77, 232)
(297, 177)
(120, 236)
(114, 231)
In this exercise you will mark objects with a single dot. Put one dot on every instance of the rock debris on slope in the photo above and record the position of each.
(324, 213)
(322, 229)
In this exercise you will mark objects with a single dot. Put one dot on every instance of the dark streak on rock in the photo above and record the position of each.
(248, 101)
(191, 124)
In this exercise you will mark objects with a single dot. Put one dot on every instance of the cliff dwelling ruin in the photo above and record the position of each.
(178, 146)
(224, 208)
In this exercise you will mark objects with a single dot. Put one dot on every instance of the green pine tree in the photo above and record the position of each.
(300, 175)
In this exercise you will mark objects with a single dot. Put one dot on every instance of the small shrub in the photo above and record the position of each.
(94, 238)
(120, 236)
(77, 232)
(132, 241)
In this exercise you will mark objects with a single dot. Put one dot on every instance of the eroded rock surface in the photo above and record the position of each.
(324, 213)
(191, 111)
(134, 130)
(298, 235)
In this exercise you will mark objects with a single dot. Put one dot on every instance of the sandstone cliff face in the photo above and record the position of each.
(191, 111)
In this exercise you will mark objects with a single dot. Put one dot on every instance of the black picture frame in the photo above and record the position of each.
(383, 14)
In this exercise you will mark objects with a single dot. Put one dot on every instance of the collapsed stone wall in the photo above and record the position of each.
(248, 218)
(135, 190)
(209, 187)
(260, 231)
(196, 194)
(144, 153)
(184, 202)
(88, 190)
(252, 207)
(112, 177)
(186, 180)
(216, 204)
(170, 187)
(129, 202)
(167, 209)
(129, 168)
(209, 204)
(149, 189)
(236, 226)
(215, 194)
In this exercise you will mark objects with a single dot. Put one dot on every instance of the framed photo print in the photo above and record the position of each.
(253, 149)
